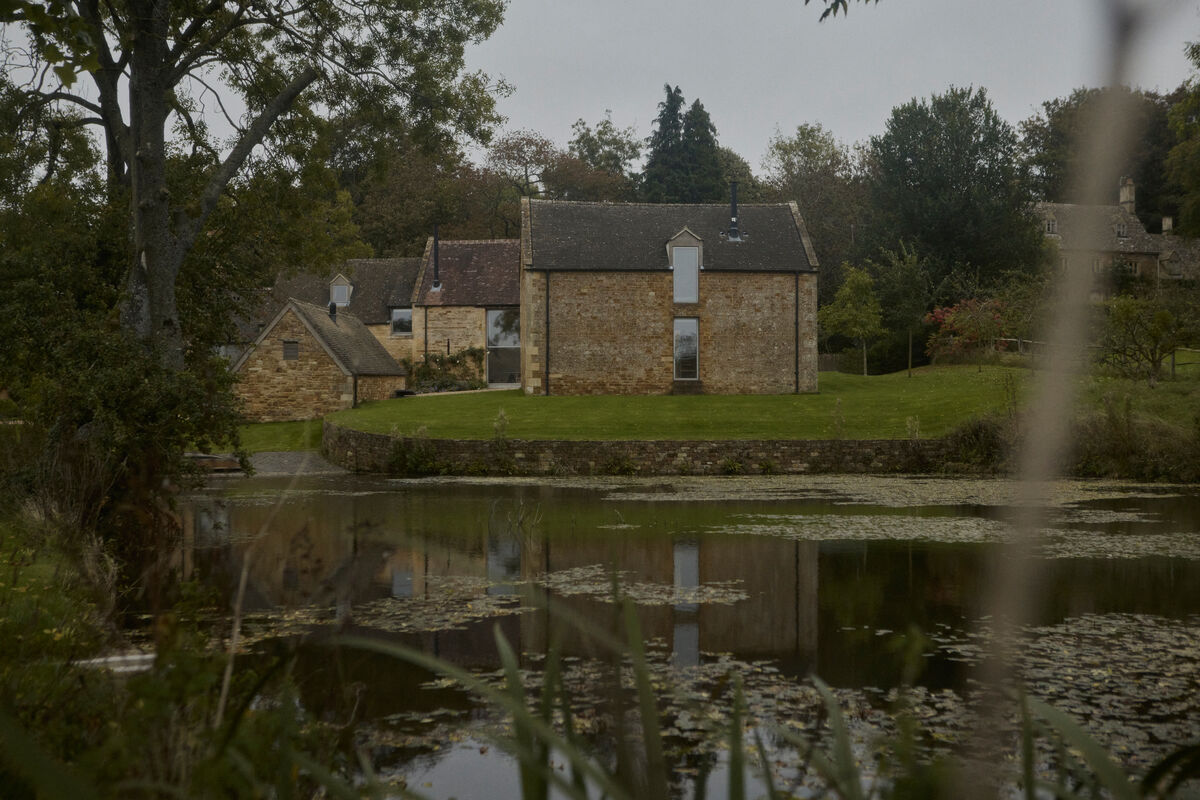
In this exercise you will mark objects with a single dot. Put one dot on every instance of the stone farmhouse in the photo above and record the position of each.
(1111, 241)
(661, 299)
(310, 360)
(468, 295)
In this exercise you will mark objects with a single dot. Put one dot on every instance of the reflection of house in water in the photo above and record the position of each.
(345, 549)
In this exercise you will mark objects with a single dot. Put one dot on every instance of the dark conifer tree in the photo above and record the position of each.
(662, 178)
(705, 179)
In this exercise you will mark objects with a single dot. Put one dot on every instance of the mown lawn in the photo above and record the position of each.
(278, 436)
(852, 406)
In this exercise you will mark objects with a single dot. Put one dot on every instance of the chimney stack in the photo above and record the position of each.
(333, 311)
(1127, 193)
(734, 234)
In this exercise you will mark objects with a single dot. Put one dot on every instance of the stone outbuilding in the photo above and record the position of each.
(468, 296)
(658, 299)
(378, 291)
(309, 361)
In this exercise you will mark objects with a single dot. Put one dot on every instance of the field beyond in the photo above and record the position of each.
(932, 402)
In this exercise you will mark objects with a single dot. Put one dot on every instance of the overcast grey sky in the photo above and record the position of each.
(762, 65)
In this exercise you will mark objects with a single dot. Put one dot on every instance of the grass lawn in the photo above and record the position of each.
(276, 436)
(875, 407)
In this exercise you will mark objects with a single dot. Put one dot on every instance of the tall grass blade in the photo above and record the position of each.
(532, 754)
(656, 763)
(768, 775)
(839, 769)
(737, 756)
(1027, 749)
(1180, 766)
(1110, 776)
(598, 777)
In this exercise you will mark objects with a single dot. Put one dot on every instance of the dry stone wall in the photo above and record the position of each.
(372, 452)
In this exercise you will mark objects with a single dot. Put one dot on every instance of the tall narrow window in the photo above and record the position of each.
(687, 349)
(686, 263)
(503, 345)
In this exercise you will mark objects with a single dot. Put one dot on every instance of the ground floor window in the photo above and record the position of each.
(503, 345)
(687, 349)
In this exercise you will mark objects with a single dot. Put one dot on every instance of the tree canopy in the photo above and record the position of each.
(1051, 142)
(683, 163)
(163, 71)
(947, 181)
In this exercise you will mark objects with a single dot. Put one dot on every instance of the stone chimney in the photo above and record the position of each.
(333, 311)
(1127, 194)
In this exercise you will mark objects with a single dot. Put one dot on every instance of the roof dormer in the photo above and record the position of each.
(340, 290)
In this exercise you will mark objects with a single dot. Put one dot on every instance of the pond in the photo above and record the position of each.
(857, 580)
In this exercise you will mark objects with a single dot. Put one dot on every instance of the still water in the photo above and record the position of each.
(857, 580)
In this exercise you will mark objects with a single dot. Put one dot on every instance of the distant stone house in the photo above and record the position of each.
(1111, 242)
(468, 295)
(309, 361)
(659, 299)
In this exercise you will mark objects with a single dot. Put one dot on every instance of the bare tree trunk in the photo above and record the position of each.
(910, 352)
(864, 349)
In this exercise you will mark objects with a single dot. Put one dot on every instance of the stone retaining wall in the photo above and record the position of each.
(374, 452)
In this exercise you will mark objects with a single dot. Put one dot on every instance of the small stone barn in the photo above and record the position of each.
(468, 295)
(660, 299)
(309, 361)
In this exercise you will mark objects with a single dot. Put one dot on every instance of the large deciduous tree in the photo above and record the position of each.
(947, 180)
(155, 67)
(825, 179)
(1183, 162)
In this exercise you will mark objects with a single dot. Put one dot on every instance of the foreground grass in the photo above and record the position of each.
(936, 399)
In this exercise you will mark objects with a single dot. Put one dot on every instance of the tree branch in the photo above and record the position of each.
(250, 139)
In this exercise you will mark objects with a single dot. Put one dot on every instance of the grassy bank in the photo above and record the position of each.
(936, 399)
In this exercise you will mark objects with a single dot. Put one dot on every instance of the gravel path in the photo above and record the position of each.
(304, 462)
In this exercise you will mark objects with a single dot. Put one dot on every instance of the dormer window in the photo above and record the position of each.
(685, 255)
(687, 274)
(1122, 230)
(339, 291)
(1051, 225)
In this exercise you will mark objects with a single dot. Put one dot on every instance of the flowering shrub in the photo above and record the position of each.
(966, 330)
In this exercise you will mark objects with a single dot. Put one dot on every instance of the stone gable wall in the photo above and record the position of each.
(273, 390)
(372, 452)
(612, 333)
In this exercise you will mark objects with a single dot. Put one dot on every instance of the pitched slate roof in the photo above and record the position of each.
(633, 236)
(378, 285)
(472, 273)
(1094, 228)
(352, 347)
(347, 339)
(1180, 256)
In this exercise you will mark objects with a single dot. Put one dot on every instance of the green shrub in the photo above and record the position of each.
(414, 456)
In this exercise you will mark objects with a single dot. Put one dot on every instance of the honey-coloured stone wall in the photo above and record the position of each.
(274, 389)
(613, 332)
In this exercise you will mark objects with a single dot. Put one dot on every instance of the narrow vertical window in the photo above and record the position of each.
(686, 263)
(687, 349)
